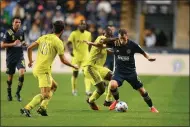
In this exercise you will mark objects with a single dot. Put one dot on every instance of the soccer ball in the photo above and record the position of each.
(121, 106)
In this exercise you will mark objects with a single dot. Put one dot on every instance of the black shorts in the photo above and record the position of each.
(131, 78)
(12, 66)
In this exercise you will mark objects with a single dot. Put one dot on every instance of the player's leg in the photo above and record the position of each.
(9, 84)
(21, 68)
(93, 75)
(10, 72)
(116, 82)
(137, 85)
(74, 77)
(106, 74)
(87, 83)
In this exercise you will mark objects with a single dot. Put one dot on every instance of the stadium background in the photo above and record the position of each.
(160, 27)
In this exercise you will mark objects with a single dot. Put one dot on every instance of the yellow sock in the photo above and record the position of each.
(35, 101)
(46, 101)
(94, 96)
(73, 83)
(109, 94)
(87, 85)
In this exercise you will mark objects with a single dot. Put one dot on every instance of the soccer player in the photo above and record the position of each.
(79, 54)
(124, 50)
(49, 46)
(95, 71)
(13, 41)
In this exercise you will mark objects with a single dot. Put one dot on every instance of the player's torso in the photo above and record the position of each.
(124, 57)
(46, 53)
(14, 53)
(80, 49)
(97, 56)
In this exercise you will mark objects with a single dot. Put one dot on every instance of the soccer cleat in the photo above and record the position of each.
(153, 109)
(74, 93)
(112, 106)
(88, 93)
(9, 98)
(17, 95)
(25, 112)
(107, 103)
(42, 111)
(93, 105)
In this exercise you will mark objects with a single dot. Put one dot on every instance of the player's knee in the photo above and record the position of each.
(9, 83)
(113, 84)
(45, 95)
(75, 74)
(21, 78)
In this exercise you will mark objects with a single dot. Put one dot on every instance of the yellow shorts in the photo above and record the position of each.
(95, 74)
(76, 61)
(45, 79)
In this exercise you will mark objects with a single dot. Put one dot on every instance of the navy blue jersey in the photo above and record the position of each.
(14, 53)
(124, 56)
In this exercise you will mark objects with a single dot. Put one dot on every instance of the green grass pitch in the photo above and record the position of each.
(170, 94)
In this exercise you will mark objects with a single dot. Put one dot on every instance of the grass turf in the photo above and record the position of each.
(170, 96)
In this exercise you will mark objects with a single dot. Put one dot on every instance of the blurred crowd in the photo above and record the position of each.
(37, 15)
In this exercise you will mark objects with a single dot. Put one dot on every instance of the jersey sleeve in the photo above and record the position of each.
(6, 37)
(71, 37)
(138, 49)
(59, 48)
(39, 40)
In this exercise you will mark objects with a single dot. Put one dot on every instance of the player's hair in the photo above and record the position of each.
(122, 32)
(16, 17)
(107, 31)
(58, 26)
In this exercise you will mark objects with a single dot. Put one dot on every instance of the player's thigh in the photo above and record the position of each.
(118, 78)
(105, 73)
(21, 66)
(75, 61)
(134, 81)
(93, 74)
(44, 79)
(11, 68)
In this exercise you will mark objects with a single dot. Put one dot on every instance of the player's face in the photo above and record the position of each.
(82, 26)
(123, 37)
(16, 23)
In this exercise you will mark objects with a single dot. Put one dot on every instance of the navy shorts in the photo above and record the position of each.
(132, 79)
(11, 67)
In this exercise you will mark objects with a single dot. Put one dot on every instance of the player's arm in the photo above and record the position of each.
(99, 45)
(69, 43)
(66, 62)
(29, 52)
(109, 40)
(147, 56)
(141, 51)
(6, 45)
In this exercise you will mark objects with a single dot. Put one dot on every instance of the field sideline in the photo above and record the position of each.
(170, 95)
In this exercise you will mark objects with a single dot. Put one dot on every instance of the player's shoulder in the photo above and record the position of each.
(132, 42)
(87, 32)
(9, 31)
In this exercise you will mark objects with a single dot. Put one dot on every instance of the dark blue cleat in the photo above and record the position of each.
(42, 111)
(25, 112)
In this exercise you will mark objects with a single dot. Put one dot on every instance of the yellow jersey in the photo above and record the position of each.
(80, 49)
(97, 55)
(49, 46)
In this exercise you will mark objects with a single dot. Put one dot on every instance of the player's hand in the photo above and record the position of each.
(151, 59)
(75, 66)
(87, 42)
(17, 42)
(30, 64)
